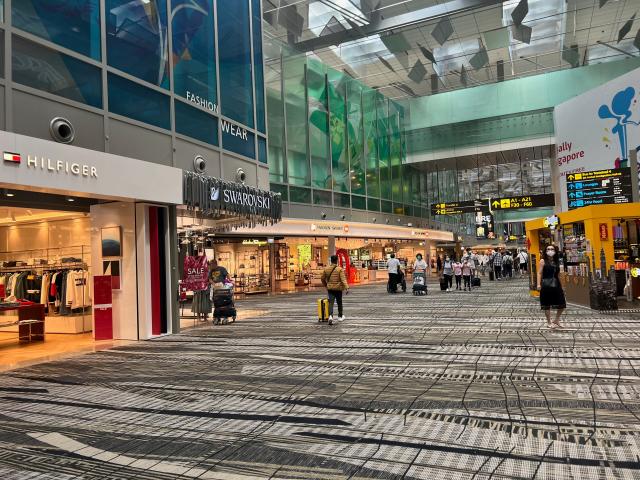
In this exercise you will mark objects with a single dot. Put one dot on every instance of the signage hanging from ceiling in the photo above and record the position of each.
(458, 208)
(523, 201)
(517, 202)
(599, 187)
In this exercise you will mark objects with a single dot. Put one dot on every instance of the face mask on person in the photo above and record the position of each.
(551, 253)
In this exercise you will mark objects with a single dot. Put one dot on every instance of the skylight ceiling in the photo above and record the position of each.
(381, 42)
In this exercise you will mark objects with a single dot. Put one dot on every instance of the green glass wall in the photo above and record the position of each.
(316, 80)
(335, 142)
(337, 86)
(293, 73)
(355, 137)
(371, 146)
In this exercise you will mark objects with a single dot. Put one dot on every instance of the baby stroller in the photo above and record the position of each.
(419, 283)
(223, 305)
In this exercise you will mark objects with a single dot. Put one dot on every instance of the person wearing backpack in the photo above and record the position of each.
(334, 279)
(507, 265)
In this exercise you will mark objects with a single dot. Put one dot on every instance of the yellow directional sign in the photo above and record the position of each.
(523, 201)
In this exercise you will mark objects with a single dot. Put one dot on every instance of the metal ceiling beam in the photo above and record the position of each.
(416, 17)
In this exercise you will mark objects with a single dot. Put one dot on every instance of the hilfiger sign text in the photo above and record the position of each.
(60, 166)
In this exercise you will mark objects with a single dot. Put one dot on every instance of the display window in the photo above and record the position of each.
(45, 277)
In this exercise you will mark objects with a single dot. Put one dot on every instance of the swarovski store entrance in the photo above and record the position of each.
(212, 209)
(84, 250)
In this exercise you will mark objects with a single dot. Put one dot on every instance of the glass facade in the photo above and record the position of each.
(159, 53)
(137, 40)
(234, 43)
(333, 135)
(54, 72)
(194, 52)
(69, 23)
(133, 100)
(195, 123)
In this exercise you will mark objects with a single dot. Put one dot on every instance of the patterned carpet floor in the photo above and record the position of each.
(449, 386)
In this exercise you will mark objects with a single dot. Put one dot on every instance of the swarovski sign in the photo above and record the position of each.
(241, 198)
(214, 197)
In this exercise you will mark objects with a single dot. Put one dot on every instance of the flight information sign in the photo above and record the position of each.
(599, 187)
(458, 208)
(523, 201)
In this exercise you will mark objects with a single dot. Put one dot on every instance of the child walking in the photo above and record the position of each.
(457, 271)
(467, 271)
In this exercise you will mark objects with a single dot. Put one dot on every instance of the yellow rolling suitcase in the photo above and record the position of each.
(323, 310)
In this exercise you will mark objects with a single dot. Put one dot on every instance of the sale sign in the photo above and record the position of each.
(196, 273)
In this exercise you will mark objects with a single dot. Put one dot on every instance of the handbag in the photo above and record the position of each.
(549, 282)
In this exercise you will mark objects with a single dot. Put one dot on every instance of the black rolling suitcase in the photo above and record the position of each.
(491, 276)
(443, 284)
(475, 282)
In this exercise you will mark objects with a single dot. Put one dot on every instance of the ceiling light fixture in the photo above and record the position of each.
(69, 199)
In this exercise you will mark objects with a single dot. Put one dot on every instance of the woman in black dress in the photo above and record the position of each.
(551, 293)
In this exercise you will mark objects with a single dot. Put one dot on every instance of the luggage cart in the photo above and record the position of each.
(223, 306)
(419, 283)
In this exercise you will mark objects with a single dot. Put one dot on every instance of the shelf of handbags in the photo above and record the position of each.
(251, 284)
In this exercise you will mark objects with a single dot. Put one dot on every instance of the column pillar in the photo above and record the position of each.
(272, 266)
(332, 245)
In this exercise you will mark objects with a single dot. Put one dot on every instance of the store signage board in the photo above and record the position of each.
(523, 201)
(459, 208)
(214, 197)
(599, 187)
(43, 165)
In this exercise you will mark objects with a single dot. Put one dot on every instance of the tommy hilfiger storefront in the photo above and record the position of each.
(85, 244)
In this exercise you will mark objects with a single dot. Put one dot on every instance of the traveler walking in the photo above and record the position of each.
(484, 263)
(439, 265)
(447, 272)
(457, 271)
(393, 266)
(467, 273)
(507, 265)
(469, 257)
(522, 259)
(551, 292)
(420, 265)
(334, 279)
(497, 264)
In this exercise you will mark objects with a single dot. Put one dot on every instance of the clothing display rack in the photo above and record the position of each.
(66, 282)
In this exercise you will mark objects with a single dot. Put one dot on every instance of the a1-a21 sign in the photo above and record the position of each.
(523, 201)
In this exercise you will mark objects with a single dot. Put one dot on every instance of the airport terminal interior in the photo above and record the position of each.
(319, 239)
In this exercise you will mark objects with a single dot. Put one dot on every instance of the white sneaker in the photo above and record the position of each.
(341, 319)
(330, 319)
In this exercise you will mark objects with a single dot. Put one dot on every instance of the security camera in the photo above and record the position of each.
(387, 221)
(241, 175)
(323, 215)
(199, 164)
(62, 130)
(342, 217)
(374, 220)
